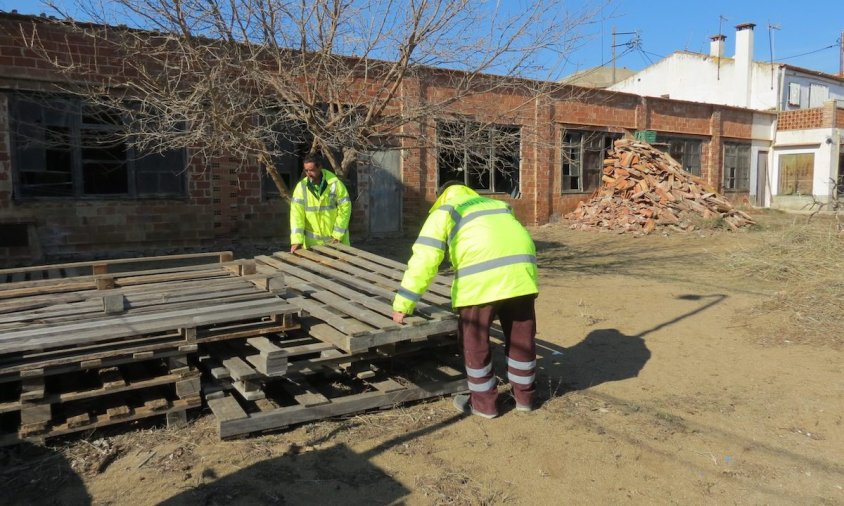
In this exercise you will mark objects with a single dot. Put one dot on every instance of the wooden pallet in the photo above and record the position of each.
(351, 291)
(253, 323)
(96, 267)
(300, 398)
(39, 406)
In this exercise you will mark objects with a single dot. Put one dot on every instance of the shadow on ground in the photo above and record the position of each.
(604, 355)
(31, 474)
(333, 475)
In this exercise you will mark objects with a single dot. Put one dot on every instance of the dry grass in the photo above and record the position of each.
(806, 262)
(459, 488)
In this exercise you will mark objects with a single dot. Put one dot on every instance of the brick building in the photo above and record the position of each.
(77, 198)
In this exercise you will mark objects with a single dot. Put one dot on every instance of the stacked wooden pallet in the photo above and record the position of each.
(127, 339)
(110, 345)
(346, 334)
(644, 188)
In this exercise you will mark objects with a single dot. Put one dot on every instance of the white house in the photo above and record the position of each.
(805, 158)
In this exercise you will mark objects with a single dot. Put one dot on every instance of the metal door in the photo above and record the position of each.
(385, 193)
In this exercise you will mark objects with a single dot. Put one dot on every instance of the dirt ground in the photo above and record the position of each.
(663, 379)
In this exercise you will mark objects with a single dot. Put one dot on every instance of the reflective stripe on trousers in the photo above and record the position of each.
(518, 321)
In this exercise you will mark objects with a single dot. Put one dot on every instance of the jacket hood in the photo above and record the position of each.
(452, 193)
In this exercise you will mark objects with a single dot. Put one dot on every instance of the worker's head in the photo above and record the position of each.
(310, 166)
(449, 190)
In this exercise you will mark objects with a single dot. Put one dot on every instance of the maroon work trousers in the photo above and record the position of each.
(518, 320)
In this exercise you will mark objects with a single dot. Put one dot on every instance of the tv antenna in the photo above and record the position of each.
(771, 28)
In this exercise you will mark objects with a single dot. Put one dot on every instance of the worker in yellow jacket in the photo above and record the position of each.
(494, 261)
(320, 208)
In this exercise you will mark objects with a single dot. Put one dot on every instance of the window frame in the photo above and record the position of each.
(740, 182)
(493, 157)
(77, 129)
(688, 157)
(782, 175)
(590, 141)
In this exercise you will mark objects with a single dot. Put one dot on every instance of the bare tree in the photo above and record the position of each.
(254, 79)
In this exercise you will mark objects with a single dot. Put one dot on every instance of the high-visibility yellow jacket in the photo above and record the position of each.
(316, 220)
(492, 254)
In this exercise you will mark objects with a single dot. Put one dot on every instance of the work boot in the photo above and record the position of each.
(524, 408)
(462, 404)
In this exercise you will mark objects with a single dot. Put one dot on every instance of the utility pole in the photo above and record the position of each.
(613, 55)
(841, 55)
(614, 45)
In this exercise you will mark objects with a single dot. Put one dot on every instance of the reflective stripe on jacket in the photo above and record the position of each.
(492, 254)
(316, 220)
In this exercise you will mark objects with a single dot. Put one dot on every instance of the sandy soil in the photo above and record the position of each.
(662, 383)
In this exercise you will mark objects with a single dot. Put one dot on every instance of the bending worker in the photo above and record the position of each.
(494, 261)
(320, 208)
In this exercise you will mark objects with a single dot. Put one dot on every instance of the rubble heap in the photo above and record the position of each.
(644, 188)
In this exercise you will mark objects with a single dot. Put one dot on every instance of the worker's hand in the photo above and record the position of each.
(294, 247)
(398, 317)
(333, 241)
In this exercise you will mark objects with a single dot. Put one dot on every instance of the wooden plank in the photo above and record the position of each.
(297, 275)
(120, 261)
(366, 287)
(226, 409)
(387, 385)
(379, 321)
(382, 260)
(442, 289)
(239, 370)
(303, 392)
(347, 326)
(283, 417)
(125, 326)
(343, 270)
(102, 421)
(96, 392)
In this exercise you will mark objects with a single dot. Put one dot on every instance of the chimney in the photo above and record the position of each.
(716, 46)
(744, 63)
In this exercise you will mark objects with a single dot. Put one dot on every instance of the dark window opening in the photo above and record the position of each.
(63, 147)
(685, 151)
(14, 235)
(583, 153)
(485, 158)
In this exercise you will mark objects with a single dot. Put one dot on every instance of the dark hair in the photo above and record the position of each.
(445, 185)
(310, 159)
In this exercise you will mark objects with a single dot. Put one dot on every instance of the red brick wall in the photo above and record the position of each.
(678, 117)
(224, 202)
(839, 118)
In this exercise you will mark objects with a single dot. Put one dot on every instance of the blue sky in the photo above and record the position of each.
(665, 26)
(806, 31)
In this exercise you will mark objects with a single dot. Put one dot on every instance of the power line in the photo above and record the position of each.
(810, 52)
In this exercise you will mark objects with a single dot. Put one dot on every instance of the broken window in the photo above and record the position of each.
(485, 157)
(736, 166)
(583, 153)
(795, 173)
(685, 151)
(63, 147)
